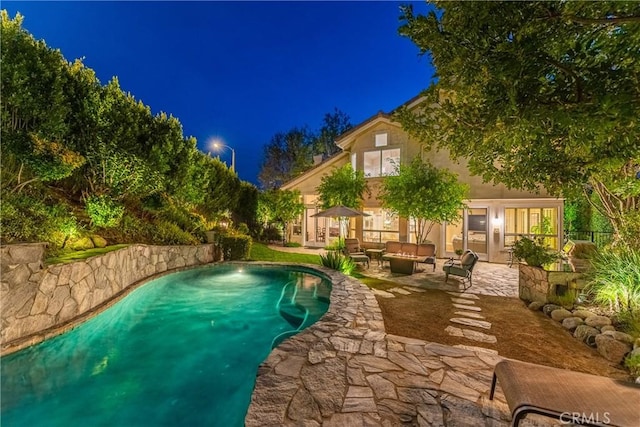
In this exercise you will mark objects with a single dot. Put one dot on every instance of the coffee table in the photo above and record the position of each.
(402, 264)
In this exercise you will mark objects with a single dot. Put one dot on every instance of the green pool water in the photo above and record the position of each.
(182, 350)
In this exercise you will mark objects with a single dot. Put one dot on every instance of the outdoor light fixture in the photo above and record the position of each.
(497, 223)
(217, 145)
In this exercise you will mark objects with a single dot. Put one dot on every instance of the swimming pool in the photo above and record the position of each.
(180, 350)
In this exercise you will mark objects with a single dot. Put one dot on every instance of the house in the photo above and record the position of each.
(494, 217)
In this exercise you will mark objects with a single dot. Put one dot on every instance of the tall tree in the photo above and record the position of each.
(343, 186)
(425, 194)
(333, 125)
(537, 94)
(285, 157)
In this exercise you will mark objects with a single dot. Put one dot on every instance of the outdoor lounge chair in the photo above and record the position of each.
(571, 397)
(427, 254)
(462, 268)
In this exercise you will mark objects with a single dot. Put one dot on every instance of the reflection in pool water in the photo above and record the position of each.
(180, 350)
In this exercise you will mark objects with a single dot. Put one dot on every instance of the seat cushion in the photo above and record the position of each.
(467, 259)
(393, 247)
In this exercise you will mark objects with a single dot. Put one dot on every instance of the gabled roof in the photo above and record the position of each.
(344, 139)
(316, 169)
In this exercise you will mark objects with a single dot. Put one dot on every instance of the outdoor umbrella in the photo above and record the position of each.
(339, 211)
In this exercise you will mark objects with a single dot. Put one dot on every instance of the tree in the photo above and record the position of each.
(281, 206)
(333, 125)
(343, 186)
(285, 157)
(245, 210)
(35, 109)
(537, 94)
(424, 193)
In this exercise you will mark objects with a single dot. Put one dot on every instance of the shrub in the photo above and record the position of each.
(169, 233)
(103, 211)
(335, 260)
(534, 252)
(26, 217)
(632, 363)
(134, 229)
(235, 246)
(614, 280)
(242, 228)
(271, 234)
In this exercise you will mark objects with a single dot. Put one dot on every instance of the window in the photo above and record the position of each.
(380, 226)
(531, 222)
(381, 140)
(297, 226)
(381, 163)
(353, 162)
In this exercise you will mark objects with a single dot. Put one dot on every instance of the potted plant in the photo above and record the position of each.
(534, 252)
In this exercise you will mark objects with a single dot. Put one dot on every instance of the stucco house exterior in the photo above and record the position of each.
(494, 217)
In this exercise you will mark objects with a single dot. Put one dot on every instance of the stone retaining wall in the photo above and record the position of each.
(36, 300)
(537, 284)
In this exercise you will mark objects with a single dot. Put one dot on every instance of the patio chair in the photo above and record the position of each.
(353, 250)
(352, 246)
(462, 268)
(427, 254)
(570, 397)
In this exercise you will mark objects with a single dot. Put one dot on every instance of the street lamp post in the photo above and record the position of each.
(217, 145)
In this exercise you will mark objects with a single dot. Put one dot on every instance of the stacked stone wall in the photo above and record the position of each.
(36, 299)
(537, 284)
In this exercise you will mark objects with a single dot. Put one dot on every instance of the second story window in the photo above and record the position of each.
(381, 139)
(381, 162)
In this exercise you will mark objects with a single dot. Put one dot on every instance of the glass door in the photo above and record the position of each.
(454, 238)
(476, 235)
(316, 229)
(469, 233)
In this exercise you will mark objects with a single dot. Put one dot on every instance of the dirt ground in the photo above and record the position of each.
(522, 334)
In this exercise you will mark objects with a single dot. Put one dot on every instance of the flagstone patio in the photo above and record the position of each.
(345, 370)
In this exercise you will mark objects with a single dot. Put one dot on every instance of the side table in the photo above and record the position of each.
(375, 254)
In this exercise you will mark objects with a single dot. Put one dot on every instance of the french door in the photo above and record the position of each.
(469, 233)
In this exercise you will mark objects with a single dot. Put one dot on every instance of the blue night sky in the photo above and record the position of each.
(241, 71)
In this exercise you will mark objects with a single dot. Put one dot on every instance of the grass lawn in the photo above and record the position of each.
(260, 252)
(78, 255)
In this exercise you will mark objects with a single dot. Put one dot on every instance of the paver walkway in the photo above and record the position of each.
(346, 371)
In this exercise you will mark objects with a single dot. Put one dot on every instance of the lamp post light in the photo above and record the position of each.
(218, 145)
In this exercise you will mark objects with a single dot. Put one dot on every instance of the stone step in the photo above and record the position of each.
(469, 314)
(472, 335)
(471, 322)
(467, 307)
(463, 295)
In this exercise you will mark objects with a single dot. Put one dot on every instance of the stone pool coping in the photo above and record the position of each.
(345, 370)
